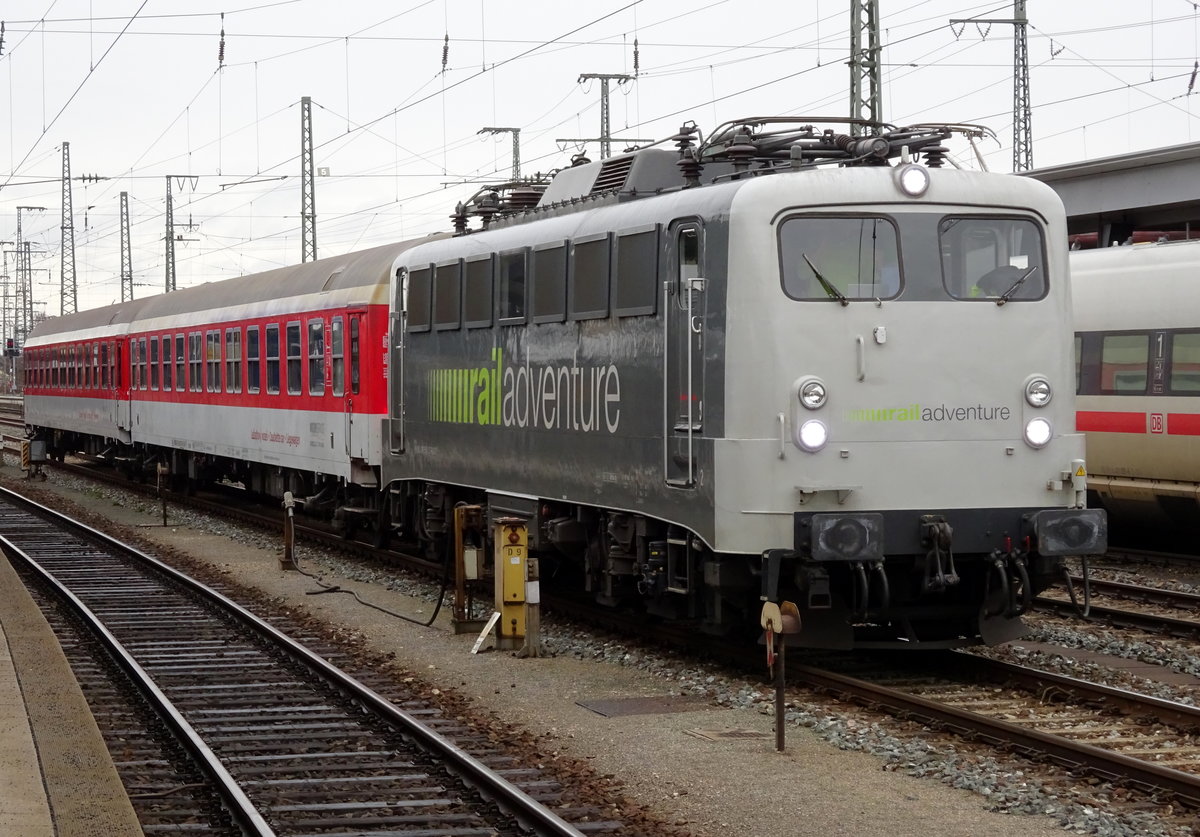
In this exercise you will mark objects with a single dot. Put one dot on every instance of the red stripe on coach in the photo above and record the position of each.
(1104, 421)
(1183, 424)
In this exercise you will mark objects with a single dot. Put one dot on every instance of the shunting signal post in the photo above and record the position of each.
(518, 593)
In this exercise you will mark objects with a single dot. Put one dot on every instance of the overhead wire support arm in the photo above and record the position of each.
(1022, 106)
(516, 146)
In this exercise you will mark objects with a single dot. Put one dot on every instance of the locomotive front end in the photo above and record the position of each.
(912, 402)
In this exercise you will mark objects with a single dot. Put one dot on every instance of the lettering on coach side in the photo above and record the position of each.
(940, 413)
(585, 399)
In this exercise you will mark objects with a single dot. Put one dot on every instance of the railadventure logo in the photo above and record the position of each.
(940, 413)
(581, 398)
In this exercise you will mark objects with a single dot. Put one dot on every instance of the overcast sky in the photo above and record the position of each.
(137, 89)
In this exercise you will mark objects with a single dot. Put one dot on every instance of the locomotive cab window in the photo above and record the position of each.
(842, 258)
(992, 258)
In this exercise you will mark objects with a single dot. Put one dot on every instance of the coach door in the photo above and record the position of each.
(352, 350)
(683, 317)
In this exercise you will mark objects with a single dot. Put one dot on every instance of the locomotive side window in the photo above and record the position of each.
(635, 283)
(252, 361)
(316, 357)
(587, 289)
(548, 302)
(153, 363)
(1185, 363)
(512, 287)
(338, 355)
(1124, 360)
(212, 361)
(420, 294)
(273, 359)
(180, 364)
(233, 360)
(195, 361)
(447, 295)
(477, 292)
(294, 355)
(992, 258)
(167, 363)
(850, 257)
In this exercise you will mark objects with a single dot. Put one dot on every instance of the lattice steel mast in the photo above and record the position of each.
(126, 260)
(308, 193)
(866, 82)
(69, 293)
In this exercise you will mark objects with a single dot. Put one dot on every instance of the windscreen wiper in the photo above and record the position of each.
(1012, 289)
(833, 292)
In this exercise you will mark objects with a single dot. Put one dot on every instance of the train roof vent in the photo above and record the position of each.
(636, 173)
(613, 173)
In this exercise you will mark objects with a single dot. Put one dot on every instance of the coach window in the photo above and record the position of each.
(316, 357)
(233, 360)
(992, 258)
(419, 295)
(1185, 363)
(154, 363)
(180, 364)
(548, 270)
(1124, 359)
(273, 359)
(142, 381)
(212, 361)
(447, 295)
(252, 361)
(849, 257)
(587, 286)
(96, 365)
(104, 355)
(168, 363)
(477, 292)
(196, 361)
(512, 287)
(294, 355)
(337, 352)
(355, 355)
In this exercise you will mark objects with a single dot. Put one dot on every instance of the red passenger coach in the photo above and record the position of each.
(276, 380)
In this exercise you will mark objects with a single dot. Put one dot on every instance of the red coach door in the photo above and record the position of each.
(357, 443)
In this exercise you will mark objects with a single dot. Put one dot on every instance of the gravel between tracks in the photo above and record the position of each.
(838, 775)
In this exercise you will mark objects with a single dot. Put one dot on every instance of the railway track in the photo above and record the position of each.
(1148, 745)
(278, 740)
(1157, 610)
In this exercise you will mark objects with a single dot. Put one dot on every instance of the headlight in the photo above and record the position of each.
(812, 436)
(1038, 392)
(812, 394)
(1038, 432)
(912, 179)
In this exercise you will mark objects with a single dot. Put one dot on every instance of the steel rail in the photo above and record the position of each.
(531, 814)
(241, 809)
(1107, 764)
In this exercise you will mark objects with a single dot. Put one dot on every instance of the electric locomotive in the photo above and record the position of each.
(783, 363)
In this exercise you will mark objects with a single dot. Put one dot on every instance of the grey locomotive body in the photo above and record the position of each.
(774, 367)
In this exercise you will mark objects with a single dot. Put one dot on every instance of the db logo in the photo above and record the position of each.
(1156, 422)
